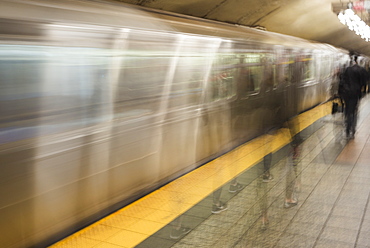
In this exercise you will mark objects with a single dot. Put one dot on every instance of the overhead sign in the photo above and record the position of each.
(367, 5)
(358, 6)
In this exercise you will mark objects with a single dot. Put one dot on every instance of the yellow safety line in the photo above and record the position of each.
(134, 223)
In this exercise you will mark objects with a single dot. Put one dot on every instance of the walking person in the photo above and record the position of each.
(352, 88)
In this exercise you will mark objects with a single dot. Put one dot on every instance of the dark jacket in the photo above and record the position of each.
(354, 81)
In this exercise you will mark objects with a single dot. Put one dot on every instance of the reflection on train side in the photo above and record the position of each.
(100, 105)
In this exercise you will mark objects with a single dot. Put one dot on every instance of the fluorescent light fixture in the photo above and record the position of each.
(354, 23)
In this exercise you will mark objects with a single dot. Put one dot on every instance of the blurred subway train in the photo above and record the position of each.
(103, 102)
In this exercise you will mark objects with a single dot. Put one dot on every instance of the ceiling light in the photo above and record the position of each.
(354, 23)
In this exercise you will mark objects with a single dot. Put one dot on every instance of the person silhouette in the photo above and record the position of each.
(352, 88)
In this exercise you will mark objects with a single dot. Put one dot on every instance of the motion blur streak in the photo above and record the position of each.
(100, 103)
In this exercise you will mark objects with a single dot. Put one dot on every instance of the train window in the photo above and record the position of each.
(269, 74)
(251, 78)
(150, 42)
(285, 67)
(254, 78)
(274, 75)
(251, 73)
(142, 73)
(285, 73)
(307, 68)
(326, 66)
(52, 89)
(143, 76)
(191, 63)
(186, 86)
(140, 84)
(258, 72)
(222, 80)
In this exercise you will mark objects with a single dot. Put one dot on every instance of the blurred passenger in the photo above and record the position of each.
(267, 159)
(355, 79)
(218, 206)
(268, 109)
(178, 231)
(262, 198)
(292, 184)
(267, 176)
(336, 88)
(235, 186)
(249, 80)
(292, 175)
(340, 86)
(218, 129)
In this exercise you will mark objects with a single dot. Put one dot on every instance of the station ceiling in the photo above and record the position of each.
(308, 19)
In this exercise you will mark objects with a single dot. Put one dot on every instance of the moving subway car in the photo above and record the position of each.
(100, 103)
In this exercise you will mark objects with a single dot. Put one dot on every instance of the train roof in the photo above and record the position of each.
(104, 19)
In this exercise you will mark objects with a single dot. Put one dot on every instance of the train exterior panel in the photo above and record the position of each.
(102, 103)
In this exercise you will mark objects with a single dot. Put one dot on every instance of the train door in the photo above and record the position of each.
(139, 111)
(277, 82)
(184, 136)
(308, 82)
(287, 78)
(328, 76)
(220, 92)
(272, 92)
(249, 109)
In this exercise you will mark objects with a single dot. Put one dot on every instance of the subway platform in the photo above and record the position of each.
(317, 195)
